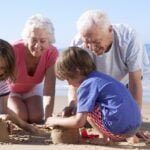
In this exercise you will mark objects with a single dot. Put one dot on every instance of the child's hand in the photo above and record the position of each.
(50, 122)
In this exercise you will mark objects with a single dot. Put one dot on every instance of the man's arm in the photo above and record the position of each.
(72, 97)
(135, 86)
(70, 109)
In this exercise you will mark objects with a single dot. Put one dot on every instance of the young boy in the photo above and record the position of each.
(101, 100)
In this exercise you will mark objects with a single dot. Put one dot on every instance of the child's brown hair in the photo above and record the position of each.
(71, 61)
(8, 56)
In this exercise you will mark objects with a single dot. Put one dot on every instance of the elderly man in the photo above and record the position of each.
(115, 49)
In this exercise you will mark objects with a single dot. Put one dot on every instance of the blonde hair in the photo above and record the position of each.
(38, 21)
(71, 61)
(93, 17)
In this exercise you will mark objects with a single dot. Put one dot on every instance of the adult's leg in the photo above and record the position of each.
(35, 109)
(17, 105)
(3, 104)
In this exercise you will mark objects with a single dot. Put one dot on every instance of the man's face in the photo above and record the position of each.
(97, 41)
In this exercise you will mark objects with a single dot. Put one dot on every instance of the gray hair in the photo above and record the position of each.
(93, 17)
(38, 21)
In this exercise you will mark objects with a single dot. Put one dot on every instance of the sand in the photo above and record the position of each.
(20, 139)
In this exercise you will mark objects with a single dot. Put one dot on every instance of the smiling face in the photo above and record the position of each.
(37, 42)
(97, 41)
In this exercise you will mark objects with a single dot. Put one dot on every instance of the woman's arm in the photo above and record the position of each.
(49, 92)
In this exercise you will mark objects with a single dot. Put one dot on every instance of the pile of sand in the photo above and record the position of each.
(4, 135)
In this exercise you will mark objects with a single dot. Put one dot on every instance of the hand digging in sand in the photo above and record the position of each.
(22, 124)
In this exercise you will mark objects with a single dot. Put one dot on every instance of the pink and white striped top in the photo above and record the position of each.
(4, 89)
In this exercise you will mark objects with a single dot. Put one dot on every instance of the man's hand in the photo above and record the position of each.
(68, 111)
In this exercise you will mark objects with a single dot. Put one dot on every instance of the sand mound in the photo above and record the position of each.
(60, 135)
(4, 135)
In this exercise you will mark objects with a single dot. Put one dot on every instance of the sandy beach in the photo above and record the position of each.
(26, 141)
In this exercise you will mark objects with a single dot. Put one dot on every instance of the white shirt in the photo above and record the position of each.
(127, 53)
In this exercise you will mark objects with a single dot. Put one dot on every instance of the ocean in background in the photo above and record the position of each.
(62, 86)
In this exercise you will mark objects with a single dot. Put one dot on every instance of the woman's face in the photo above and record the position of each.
(37, 42)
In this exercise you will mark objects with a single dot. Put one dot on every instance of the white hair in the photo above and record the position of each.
(38, 21)
(93, 17)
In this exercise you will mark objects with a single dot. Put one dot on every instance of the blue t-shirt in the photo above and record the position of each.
(120, 113)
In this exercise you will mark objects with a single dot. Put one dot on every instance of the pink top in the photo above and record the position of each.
(25, 82)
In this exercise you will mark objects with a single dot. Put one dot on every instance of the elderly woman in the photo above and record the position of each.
(35, 77)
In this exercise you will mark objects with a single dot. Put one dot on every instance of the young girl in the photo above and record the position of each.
(101, 100)
(7, 67)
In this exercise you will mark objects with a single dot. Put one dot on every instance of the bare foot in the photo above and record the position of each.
(144, 135)
(133, 140)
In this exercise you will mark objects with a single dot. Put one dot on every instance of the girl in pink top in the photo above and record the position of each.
(35, 77)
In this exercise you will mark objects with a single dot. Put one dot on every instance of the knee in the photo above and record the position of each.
(37, 118)
(16, 114)
(24, 117)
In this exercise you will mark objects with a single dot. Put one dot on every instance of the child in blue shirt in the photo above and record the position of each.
(101, 100)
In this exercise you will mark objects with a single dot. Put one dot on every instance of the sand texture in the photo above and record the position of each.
(20, 139)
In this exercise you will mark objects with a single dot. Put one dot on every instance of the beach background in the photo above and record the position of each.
(64, 15)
